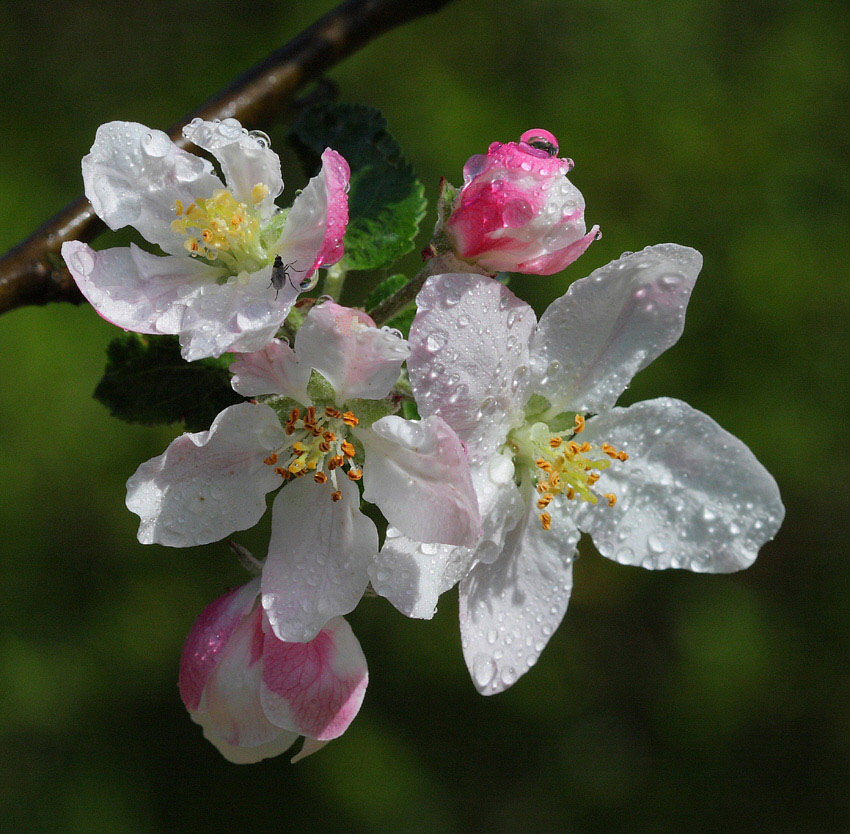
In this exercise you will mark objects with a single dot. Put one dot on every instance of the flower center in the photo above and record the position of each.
(219, 228)
(563, 465)
(317, 443)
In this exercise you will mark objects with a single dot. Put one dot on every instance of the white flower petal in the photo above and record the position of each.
(241, 315)
(273, 370)
(206, 485)
(606, 327)
(246, 159)
(690, 495)
(412, 575)
(136, 290)
(315, 226)
(510, 608)
(346, 348)
(417, 474)
(319, 550)
(134, 174)
(469, 360)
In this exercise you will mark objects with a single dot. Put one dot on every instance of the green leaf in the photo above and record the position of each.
(386, 201)
(384, 290)
(147, 381)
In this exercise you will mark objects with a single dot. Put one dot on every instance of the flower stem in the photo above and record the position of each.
(334, 282)
(389, 307)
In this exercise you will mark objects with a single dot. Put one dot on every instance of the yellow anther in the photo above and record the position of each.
(546, 520)
(355, 474)
(573, 447)
(298, 446)
(320, 478)
(544, 501)
(570, 493)
(271, 460)
(349, 419)
(543, 464)
(347, 449)
(279, 470)
(207, 235)
(555, 441)
(329, 436)
(178, 207)
(622, 456)
(579, 424)
(336, 496)
(611, 498)
(585, 447)
(592, 478)
(259, 192)
(298, 465)
(294, 415)
(330, 411)
(191, 245)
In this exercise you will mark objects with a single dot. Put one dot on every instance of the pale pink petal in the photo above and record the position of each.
(596, 337)
(344, 346)
(510, 608)
(553, 262)
(134, 174)
(273, 370)
(231, 702)
(315, 226)
(469, 360)
(209, 635)
(318, 556)
(241, 315)
(690, 495)
(206, 485)
(136, 290)
(246, 755)
(314, 688)
(412, 575)
(246, 159)
(417, 474)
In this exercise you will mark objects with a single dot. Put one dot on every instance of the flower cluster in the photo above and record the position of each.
(512, 446)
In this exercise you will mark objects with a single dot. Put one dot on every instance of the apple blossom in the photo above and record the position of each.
(324, 425)
(656, 484)
(516, 211)
(215, 286)
(254, 695)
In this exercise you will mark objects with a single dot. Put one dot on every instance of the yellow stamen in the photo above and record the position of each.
(355, 474)
(336, 496)
(546, 520)
(349, 419)
(271, 460)
(259, 193)
(611, 498)
(579, 424)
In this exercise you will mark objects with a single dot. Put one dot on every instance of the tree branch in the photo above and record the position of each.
(33, 272)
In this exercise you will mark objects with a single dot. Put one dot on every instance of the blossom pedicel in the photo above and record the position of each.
(254, 694)
(516, 211)
(657, 484)
(214, 286)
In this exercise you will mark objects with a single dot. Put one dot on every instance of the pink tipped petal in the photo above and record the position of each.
(273, 370)
(556, 261)
(315, 226)
(318, 556)
(241, 315)
(517, 211)
(470, 361)
(245, 158)
(136, 290)
(210, 634)
(231, 705)
(509, 609)
(418, 475)
(314, 688)
(606, 327)
(134, 174)
(690, 495)
(206, 485)
(344, 346)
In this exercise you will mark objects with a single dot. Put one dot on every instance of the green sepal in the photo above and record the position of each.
(147, 381)
(368, 411)
(282, 406)
(320, 391)
(409, 410)
(386, 201)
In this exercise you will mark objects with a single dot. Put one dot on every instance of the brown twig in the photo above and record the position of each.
(33, 273)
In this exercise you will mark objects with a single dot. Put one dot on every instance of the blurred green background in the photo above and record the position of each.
(665, 700)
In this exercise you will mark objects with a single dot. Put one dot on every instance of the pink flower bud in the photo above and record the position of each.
(517, 211)
(255, 694)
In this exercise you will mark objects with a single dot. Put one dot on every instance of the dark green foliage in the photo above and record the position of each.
(147, 381)
(384, 290)
(386, 201)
